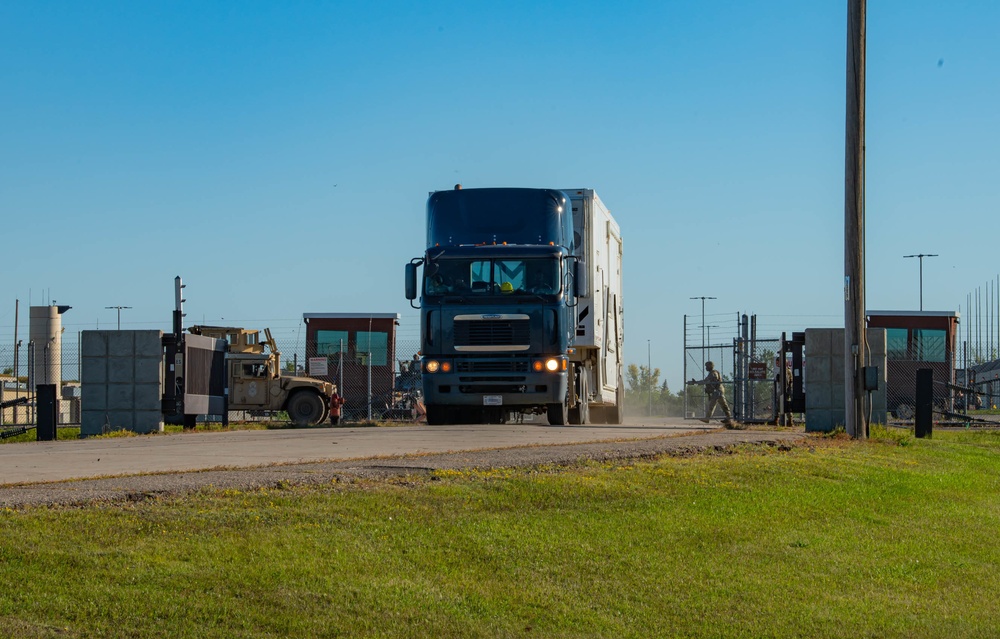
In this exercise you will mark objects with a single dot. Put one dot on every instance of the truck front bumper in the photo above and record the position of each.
(512, 391)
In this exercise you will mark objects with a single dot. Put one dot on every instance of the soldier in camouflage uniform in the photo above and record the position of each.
(713, 387)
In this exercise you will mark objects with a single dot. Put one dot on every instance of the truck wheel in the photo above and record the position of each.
(437, 415)
(305, 409)
(558, 414)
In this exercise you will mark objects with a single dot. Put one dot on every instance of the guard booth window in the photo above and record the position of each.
(896, 343)
(331, 342)
(374, 342)
(929, 344)
(918, 344)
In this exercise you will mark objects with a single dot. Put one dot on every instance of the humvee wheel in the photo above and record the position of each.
(305, 408)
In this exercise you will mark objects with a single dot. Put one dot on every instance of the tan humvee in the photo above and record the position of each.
(256, 382)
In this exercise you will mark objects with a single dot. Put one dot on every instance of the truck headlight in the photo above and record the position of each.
(551, 364)
(433, 366)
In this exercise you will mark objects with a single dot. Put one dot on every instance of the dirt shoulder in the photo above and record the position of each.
(139, 487)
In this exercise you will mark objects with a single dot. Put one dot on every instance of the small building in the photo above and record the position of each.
(915, 340)
(356, 351)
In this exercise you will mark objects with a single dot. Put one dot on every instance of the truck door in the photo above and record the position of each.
(250, 383)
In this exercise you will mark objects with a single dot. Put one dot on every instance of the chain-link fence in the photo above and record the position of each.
(904, 357)
(756, 386)
(24, 365)
(695, 360)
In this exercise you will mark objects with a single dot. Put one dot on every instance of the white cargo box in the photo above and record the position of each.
(600, 315)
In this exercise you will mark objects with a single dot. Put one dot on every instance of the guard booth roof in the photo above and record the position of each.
(487, 216)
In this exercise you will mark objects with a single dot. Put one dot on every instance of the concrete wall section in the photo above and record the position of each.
(824, 377)
(122, 381)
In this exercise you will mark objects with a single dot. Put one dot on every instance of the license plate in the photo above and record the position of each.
(492, 400)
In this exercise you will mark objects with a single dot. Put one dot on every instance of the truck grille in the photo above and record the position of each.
(502, 366)
(488, 333)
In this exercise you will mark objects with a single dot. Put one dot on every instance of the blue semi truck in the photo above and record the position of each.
(520, 307)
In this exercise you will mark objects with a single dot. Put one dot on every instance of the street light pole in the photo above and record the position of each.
(710, 327)
(703, 298)
(119, 309)
(920, 257)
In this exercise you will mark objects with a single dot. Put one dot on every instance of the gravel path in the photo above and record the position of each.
(139, 487)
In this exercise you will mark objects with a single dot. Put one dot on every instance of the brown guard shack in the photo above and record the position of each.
(915, 340)
(359, 350)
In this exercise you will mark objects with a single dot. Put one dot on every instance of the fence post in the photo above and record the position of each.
(45, 429)
(923, 420)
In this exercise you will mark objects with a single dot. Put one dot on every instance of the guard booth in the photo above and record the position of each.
(915, 340)
(357, 352)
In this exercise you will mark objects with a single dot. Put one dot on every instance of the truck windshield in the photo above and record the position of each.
(492, 277)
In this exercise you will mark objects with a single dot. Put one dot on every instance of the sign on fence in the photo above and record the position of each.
(317, 367)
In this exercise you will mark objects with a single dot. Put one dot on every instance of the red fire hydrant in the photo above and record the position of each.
(336, 401)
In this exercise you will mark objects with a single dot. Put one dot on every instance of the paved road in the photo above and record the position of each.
(29, 463)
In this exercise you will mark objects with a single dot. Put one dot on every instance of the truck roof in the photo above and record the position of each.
(469, 217)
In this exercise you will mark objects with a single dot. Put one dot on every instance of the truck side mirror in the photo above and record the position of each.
(581, 287)
(411, 281)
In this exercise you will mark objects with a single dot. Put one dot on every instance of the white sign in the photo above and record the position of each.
(317, 366)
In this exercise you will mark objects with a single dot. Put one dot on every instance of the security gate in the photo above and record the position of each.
(755, 386)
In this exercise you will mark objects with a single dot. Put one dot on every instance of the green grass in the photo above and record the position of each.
(894, 537)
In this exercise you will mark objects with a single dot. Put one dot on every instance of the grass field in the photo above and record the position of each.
(893, 537)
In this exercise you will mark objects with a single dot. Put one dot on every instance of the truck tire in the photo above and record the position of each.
(306, 408)
(437, 415)
(558, 413)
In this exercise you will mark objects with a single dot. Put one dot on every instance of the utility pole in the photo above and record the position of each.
(921, 257)
(703, 298)
(855, 353)
(119, 309)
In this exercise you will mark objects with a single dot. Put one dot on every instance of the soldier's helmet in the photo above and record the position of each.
(709, 365)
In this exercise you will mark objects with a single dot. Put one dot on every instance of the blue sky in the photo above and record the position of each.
(278, 155)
